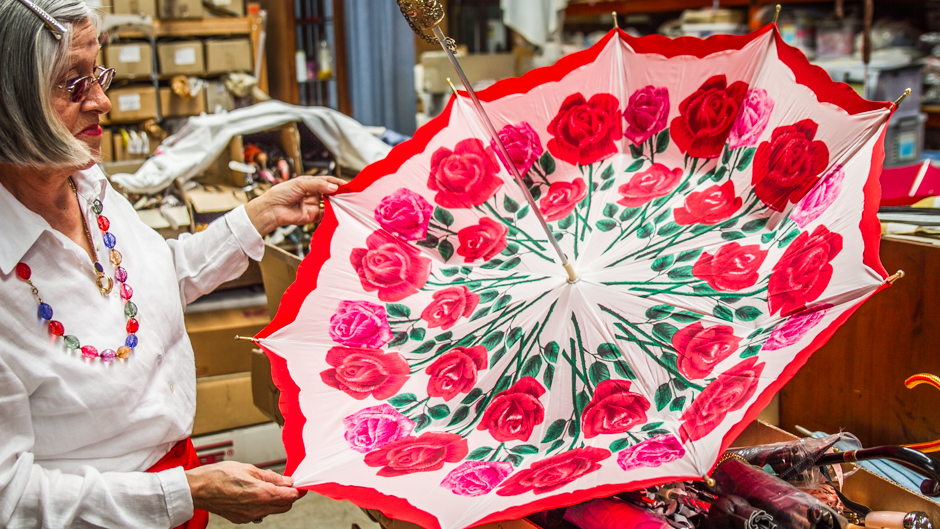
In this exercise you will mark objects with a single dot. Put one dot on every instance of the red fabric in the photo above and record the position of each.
(183, 454)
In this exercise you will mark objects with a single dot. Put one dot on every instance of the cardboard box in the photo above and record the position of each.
(235, 7)
(174, 106)
(260, 446)
(169, 222)
(129, 167)
(478, 67)
(180, 9)
(224, 403)
(131, 60)
(229, 55)
(264, 393)
(181, 58)
(135, 7)
(120, 152)
(218, 98)
(212, 335)
(107, 149)
(287, 137)
(132, 103)
(210, 203)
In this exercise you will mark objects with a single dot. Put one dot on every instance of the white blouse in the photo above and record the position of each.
(75, 435)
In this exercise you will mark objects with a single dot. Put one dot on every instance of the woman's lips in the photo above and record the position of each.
(93, 130)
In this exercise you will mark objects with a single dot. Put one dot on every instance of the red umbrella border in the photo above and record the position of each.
(806, 74)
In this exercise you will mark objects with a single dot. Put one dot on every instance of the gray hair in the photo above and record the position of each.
(31, 59)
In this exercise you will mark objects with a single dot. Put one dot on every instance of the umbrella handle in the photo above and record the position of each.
(918, 461)
(911, 382)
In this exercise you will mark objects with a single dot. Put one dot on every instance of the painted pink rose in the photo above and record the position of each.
(449, 305)
(657, 181)
(752, 120)
(484, 240)
(561, 198)
(375, 427)
(361, 373)
(586, 131)
(523, 145)
(706, 117)
(730, 391)
(653, 452)
(464, 177)
(426, 453)
(455, 371)
(646, 113)
(713, 205)
(513, 414)
(794, 328)
(803, 272)
(701, 348)
(406, 214)
(732, 268)
(819, 198)
(613, 409)
(788, 165)
(476, 478)
(393, 268)
(553, 473)
(360, 324)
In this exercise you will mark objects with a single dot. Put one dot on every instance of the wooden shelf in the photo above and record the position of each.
(204, 27)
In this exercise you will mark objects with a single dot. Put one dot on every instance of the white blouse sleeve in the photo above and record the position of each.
(215, 255)
(31, 496)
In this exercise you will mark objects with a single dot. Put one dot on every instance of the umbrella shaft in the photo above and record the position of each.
(507, 160)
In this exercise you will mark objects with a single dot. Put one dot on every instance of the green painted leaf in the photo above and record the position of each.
(421, 422)
(747, 313)
(670, 359)
(720, 174)
(707, 176)
(663, 396)
(623, 369)
(446, 249)
(444, 336)
(403, 399)
(573, 429)
(680, 273)
(515, 459)
(536, 193)
(606, 225)
(663, 216)
(524, 450)
(492, 340)
(636, 151)
(704, 288)
(509, 204)
(651, 426)
(608, 351)
(598, 373)
(398, 338)
(746, 158)
(662, 141)
(556, 445)
(635, 166)
(610, 210)
(429, 242)
(581, 401)
(480, 313)
(608, 184)
(660, 201)
(495, 357)
(551, 351)
(732, 235)
(547, 163)
(532, 367)
(629, 213)
(424, 348)
(465, 270)
(669, 229)
(663, 263)
(645, 231)
(554, 430)
(488, 295)
(448, 272)
(688, 255)
(558, 235)
(479, 453)
(443, 347)
(491, 264)
(723, 313)
(619, 444)
(728, 224)
(510, 249)
(524, 211)
(502, 302)
(755, 225)
(548, 376)
(665, 331)
(439, 412)
(607, 173)
(677, 404)
(751, 351)
(503, 384)
(685, 316)
(514, 335)
(659, 312)
(397, 310)
(511, 263)
(566, 222)
(767, 237)
(443, 216)
(794, 233)
(725, 156)
(755, 333)
(417, 334)
(474, 394)
(679, 384)
(462, 413)
(654, 433)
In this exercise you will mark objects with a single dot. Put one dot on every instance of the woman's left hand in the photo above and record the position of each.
(292, 203)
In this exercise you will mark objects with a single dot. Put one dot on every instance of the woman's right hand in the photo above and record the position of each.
(241, 493)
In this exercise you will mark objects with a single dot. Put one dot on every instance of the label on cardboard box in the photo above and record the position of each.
(222, 2)
(184, 56)
(129, 102)
(129, 54)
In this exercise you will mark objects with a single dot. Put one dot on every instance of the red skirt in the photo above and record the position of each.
(183, 455)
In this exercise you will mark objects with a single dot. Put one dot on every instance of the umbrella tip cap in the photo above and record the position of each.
(709, 481)
(776, 14)
(898, 275)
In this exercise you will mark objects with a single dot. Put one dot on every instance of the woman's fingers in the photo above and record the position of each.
(241, 493)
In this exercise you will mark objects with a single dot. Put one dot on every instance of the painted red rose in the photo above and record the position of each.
(706, 117)
(732, 268)
(393, 268)
(701, 348)
(455, 371)
(585, 131)
(514, 413)
(449, 305)
(789, 165)
(729, 392)
(613, 409)
(710, 206)
(482, 241)
(364, 372)
(553, 473)
(426, 453)
(803, 272)
(464, 177)
(657, 181)
(561, 198)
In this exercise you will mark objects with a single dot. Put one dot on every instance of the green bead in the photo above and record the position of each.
(130, 310)
(96, 207)
(71, 342)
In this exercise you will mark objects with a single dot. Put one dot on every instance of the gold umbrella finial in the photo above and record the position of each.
(777, 14)
(423, 16)
(906, 93)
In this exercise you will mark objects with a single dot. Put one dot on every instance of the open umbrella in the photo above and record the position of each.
(717, 202)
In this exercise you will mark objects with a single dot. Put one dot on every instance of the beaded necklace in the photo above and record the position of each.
(104, 284)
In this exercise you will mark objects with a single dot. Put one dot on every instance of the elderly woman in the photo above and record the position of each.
(97, 378)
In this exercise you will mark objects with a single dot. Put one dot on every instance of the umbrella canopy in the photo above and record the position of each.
(718, 201)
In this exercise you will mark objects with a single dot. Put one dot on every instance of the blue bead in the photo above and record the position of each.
(109, 240)
(131, 341)
(45, 311)
(99, 268)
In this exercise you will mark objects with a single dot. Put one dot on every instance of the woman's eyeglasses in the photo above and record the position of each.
(78, 88)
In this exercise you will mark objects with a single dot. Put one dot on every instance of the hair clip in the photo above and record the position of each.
(54, 26)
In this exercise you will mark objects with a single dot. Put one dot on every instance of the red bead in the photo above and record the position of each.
(56, 328)
(126, 291)
(22, 271)
(132, 326)
(103, 223)
(90, 352)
